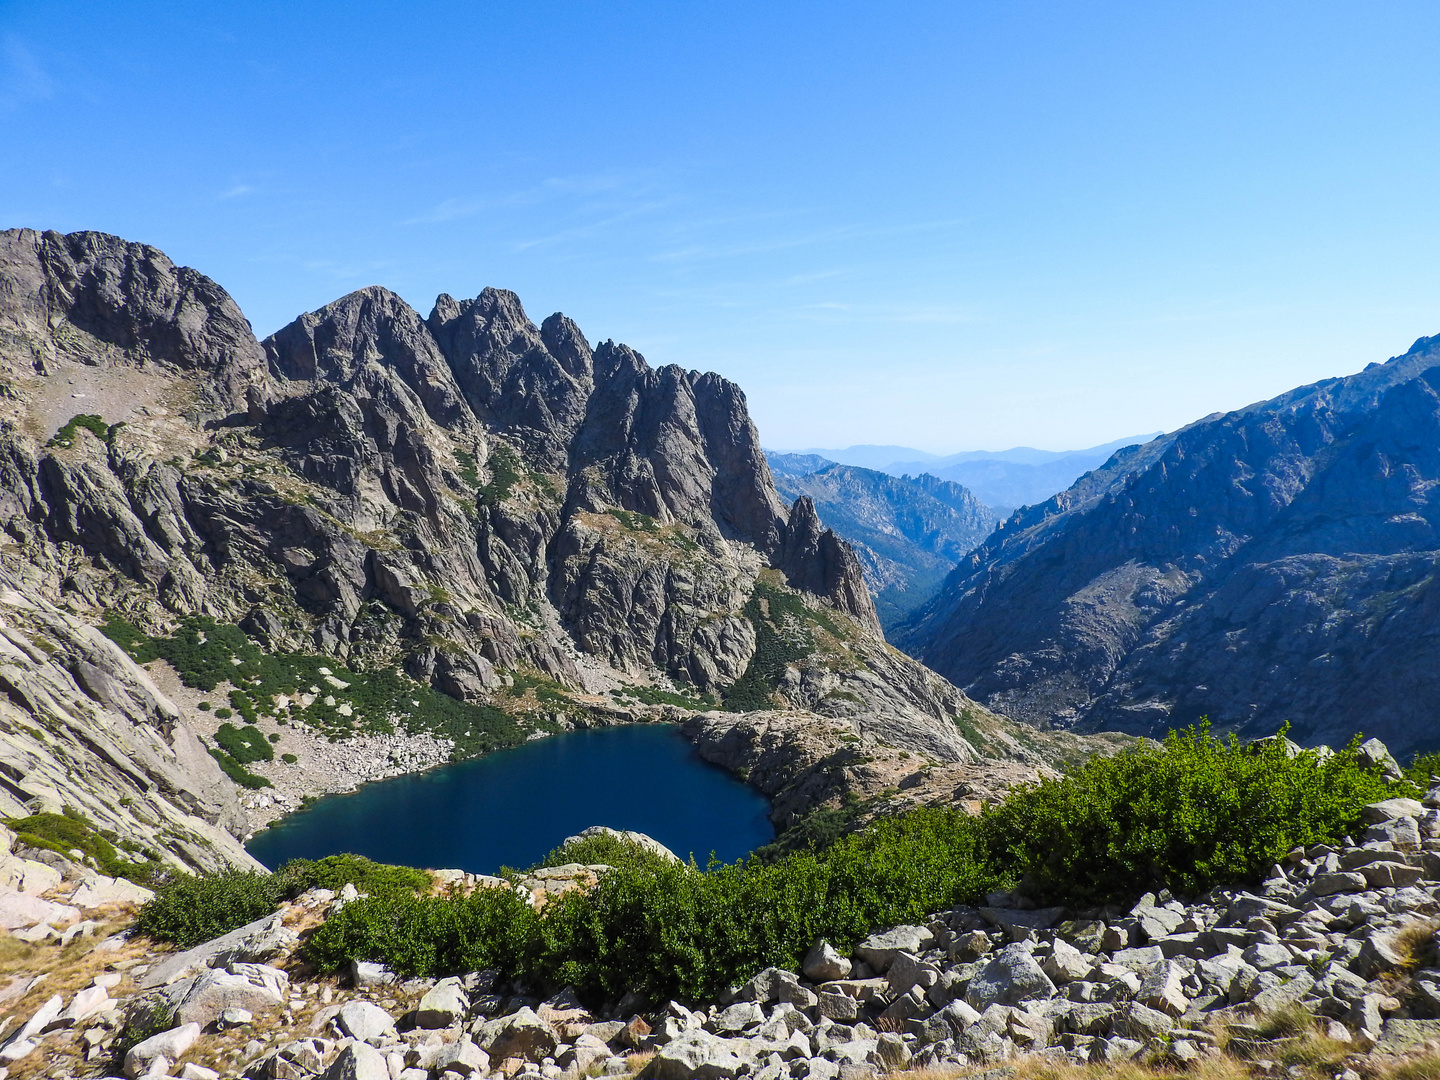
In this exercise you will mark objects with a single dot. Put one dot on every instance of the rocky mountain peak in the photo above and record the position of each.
(817, 561)
(97, 299)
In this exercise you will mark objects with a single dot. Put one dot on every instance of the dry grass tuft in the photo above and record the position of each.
(1426, 1067)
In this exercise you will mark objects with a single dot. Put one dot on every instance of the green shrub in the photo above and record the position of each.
(1194, 813)
(289, 759)
(246, 745)
(666, 928)
(784, 626)
(491, 928)
(205, 653)
(237, 772)
(1422, 769)
(189, 910)
(93, 424)
(336, 871)
(71, 831)
(505, 470)
(601, 849)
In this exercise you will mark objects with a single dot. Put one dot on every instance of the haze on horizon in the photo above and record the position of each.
(943, 226)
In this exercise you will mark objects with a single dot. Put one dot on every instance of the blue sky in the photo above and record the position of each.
(951, 226)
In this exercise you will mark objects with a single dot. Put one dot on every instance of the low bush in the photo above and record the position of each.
(246, 745)
(237, 772)
(1422, 769)
(1195, 812)
(188, 909)
(667, 929)
(1185, 815)
(72, 831)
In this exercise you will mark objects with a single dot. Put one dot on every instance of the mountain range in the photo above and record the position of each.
(1002, 479)
(1269, 565)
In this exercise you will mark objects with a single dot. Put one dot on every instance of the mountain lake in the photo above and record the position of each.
(512, 807)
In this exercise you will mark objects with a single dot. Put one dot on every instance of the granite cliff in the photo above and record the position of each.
(1272, 564)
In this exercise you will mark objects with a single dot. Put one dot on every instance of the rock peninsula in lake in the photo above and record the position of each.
(511, 808)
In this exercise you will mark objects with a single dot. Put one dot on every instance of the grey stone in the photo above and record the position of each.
(1011, 976)
(738, 1017)
(696, 1055)
(358, 1061)
(465, 1058)
(161, 1050)
(1163, 989)
(365, 1022)
(1066, 963)
(824, 964)
(1398, 1036)
(838, 1006)
(891, 1053)
(444, 1004)
(879, 949)
(522, 1034)
(767, 986)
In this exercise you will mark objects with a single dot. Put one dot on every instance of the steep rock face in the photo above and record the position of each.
(1275, 563)
(82, 726)
(91, 297)
(908, 532)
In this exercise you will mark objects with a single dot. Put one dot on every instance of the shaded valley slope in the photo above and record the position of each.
(1276, 563)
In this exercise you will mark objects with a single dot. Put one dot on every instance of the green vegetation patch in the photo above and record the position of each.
(653, 695)
(334, 700)
(1422, 769)
(237, 772)
(505, 472)
(95, 425)
(784, 634)
(1186, 815)
(189, 909)
(72, 831)
(1195, 812)
(246, 745)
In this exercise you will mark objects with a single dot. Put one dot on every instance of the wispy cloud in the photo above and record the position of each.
(22, 79)
(236, 191)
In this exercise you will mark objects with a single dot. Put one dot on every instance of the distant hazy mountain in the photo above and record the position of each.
(909, 533)
(1002, 479)
(1276, 563)
(867, 456)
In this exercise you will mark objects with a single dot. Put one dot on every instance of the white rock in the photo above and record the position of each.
(166, 1047)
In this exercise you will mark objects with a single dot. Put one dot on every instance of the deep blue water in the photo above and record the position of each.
(513, 807)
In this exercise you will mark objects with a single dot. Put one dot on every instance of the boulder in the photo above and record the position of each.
(358, 1061)
(696, 1055)
(1162, 989)
(159, 1052)
(164, 972)
(464, 1057)
(444, 1004)
(767, 987)
(1066, 963)
(522, 1034)
(365, 1022)
(878, 950)
(1011, 977)
(253, 987)
(824, 963)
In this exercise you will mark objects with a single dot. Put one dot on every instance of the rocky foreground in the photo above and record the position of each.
(1329, 968)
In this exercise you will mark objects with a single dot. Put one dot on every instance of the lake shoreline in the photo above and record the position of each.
(510, 807)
